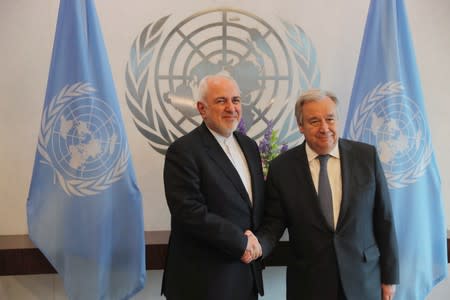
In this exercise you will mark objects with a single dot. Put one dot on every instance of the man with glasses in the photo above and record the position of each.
(332, 196)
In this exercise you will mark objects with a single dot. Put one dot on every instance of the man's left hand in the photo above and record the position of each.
(388, 291)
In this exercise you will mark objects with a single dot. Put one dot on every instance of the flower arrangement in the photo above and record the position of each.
(269, 146)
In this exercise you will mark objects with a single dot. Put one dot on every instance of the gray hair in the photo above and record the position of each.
(310, 96)
(203, 85)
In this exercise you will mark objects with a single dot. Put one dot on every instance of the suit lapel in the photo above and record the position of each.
(218, 156)
(346, 169)
(251, 163)
(302, 168)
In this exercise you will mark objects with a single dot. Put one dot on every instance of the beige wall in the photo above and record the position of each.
(336, 28)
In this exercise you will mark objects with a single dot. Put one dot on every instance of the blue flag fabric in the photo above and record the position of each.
(387, 110)
(84, 207)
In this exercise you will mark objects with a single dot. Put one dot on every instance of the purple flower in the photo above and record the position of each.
(269, 147)
(241, 127)
(268, 132)
(264, 146)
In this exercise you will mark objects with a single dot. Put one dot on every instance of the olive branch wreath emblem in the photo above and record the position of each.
(75, 187)
(309, 75)
(138, 96)
(150, 124)
(380, 92)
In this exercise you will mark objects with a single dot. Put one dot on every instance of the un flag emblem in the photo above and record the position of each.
(82, 141)
(394, 123)
(271, 65)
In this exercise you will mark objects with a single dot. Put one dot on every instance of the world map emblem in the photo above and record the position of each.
(394, 123)
(272, 65)
(80, 138)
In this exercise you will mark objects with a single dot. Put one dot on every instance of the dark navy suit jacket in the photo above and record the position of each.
(210, 210)
(361, 252)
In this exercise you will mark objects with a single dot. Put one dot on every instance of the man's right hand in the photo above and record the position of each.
(253, 250)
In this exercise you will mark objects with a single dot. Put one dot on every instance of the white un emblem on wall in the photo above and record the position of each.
(271, 69)
(82, 141)
(394, 123)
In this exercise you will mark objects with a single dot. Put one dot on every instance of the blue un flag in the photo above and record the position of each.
(84, 207)
(387, 110)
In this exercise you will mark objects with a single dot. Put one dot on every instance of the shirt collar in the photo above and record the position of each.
(311, 154)
(220, 138)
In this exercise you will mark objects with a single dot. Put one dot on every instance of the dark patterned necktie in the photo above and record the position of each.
(324, 191)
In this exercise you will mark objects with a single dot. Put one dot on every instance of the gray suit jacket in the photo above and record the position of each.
(361, 252)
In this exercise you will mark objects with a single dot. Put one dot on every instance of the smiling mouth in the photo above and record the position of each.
(325, 137)
(230, 117)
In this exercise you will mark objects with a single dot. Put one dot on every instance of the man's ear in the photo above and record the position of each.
(300, 127)
(201, 107)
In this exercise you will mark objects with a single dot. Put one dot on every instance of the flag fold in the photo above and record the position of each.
(84, 207)
(387, 110)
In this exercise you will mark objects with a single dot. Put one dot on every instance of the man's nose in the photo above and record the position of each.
(229, 106)
(324, 125)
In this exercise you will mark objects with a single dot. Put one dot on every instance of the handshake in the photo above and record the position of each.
(253, 251)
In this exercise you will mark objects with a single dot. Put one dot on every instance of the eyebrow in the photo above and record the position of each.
(225, 98)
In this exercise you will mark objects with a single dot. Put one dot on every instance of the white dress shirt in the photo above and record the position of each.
(234, 152)
(334, 176)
